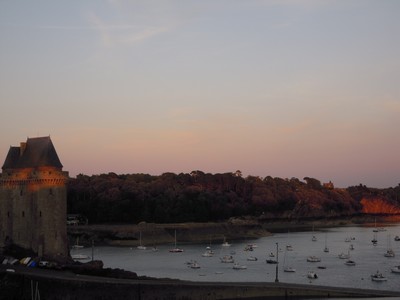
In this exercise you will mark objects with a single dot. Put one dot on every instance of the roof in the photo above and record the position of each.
(39, 152)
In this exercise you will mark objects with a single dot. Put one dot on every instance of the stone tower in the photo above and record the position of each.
(33, 199)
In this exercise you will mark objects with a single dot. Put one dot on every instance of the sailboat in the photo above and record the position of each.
(77, 246)
(375, 239)
(287, 268)
(141, 247)
(225, 243)
(326, 249)
(176, 249)
(389, 251)
(314, 238)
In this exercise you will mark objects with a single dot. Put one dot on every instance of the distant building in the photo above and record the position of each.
(33, 199)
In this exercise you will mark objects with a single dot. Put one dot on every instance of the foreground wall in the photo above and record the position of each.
(53, 285)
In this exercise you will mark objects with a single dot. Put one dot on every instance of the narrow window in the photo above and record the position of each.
(40, 213)
(51, 192)
(8, 214)
(20, 192)
(23, 214)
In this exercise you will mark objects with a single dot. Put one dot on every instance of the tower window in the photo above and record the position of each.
(51, 192)
(8, 214)
(20, 192)
(23, 214)
(40, 213)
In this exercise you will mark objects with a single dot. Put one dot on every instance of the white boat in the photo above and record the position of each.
(289, 269)
(225, 243)
(208, 253)
(326, 249)
(77, 246)
(396, 269)
(378, 276)
(314, 238)
(397, 238)
(175, 249)
(227, 259)
(312, 275)
(141, 247)
(313, 258)
(252, 258)
(271, 254)
(351, 247)
(389, 251)
(344, 256)
(236, 266)
(289, 248)
(286, 267)
(80, 257)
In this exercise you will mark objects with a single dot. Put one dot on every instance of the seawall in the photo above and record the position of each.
(26, 283)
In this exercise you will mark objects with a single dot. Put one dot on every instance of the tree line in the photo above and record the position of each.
(203, 197)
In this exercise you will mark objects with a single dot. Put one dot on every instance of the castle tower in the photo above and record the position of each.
(33, 199)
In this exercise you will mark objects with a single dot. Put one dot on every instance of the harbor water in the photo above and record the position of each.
(331, 270)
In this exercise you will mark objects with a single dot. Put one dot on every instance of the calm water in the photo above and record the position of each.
(368, 258)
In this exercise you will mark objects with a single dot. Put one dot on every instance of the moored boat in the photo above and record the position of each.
(378, 276)
(313, 258)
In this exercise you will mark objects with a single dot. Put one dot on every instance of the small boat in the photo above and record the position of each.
(313, 258)
(175, 249)
(326, 249)
(378, 276)
(314, 238)
(225, 243)
(271, 261)
(77, 246)
(344, 256)
(351, 247)
(271, 254)
(227, 259)
(397, 238)
(239, 267)
(312, 275)
(289, 269)
(289, 248)
(208, 253)
(350, 263)
(252, 258)
(389, 253)
(141, 247)
(374, 240)
(194, 265)
(80, 257)
(248, 248)
(395, 269)
(321, 267)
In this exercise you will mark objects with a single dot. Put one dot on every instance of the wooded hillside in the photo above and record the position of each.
(203, 197)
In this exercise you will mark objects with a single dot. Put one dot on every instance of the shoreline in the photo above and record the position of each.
(152, 234)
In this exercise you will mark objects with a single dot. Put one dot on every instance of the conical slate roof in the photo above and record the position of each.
(39, 152)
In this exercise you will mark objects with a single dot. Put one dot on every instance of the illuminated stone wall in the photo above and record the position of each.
(33, 209)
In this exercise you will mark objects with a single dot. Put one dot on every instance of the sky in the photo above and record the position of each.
(279, 88)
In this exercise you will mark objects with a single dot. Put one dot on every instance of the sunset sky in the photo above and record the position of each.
(279, 88)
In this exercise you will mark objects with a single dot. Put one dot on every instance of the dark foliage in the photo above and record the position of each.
(202, 197)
